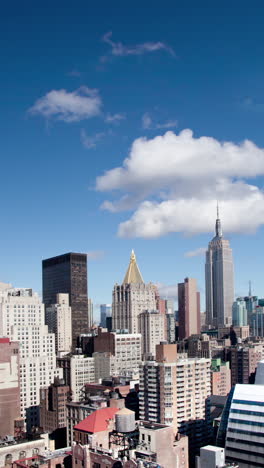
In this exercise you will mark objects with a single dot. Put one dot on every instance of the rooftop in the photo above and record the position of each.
(97, 421)
(133, 274)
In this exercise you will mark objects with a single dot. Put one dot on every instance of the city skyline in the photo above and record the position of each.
(103, 99)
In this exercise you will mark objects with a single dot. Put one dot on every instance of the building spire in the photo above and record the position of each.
(218, 227)
(133, 274)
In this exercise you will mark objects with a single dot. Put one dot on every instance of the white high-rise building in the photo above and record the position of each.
(82, 372)
(58, 319)
(22, 318)
(173, 391)
(131, 298)
(219, 280)
(151, 327)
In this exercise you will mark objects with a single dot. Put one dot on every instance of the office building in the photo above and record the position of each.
(53, 411)
(171, 328)
(90, 314)
(131, 298)
(68, 274)
(22, 318)
(151, 327)
(9, 386)
(239, 313)
(257, 321)
(188, 308)
(173, 391)
(245, 437)
(58, 319)
(105, 312)
(219, 280)
(122, 353)
(81, 372)
(243, 362)
(221, 377)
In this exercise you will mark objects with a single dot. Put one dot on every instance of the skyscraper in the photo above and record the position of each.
(105, 311)
(58, 319)
(68, 274)
(131, 298)
(189, 308)
(219, 279)
(22, 319)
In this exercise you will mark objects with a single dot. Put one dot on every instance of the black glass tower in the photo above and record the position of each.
(68, 274)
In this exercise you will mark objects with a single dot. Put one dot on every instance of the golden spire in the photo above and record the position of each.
(133, 274)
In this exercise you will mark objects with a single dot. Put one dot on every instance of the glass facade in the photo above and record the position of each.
(68, 274)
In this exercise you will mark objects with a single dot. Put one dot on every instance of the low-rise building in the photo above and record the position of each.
(111, 439)
(12, 449)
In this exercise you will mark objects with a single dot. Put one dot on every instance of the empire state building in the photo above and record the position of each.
(219, 279)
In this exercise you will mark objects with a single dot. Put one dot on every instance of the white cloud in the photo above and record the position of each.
(90, 142)
(121, 50)
(114, 118)
(167, 291)
(196, 252)
(68, 106)
(146, 121)
(95, 254)
(191, 173)
(167, 124)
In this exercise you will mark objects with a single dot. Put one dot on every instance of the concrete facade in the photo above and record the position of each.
(151, 327)
(131, 298)
(173, 392)
(9, 386)
(82, 372)
(22, 319)
(188, 308)
(126, 348)
(58, 319)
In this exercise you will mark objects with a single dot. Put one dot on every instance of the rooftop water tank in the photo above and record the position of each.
(125, 420)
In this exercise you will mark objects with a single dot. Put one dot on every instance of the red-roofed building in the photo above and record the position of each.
(94, 429)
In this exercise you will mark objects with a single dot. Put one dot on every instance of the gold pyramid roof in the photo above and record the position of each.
(133, 274)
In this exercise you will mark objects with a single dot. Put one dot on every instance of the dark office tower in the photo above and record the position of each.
(68, 274)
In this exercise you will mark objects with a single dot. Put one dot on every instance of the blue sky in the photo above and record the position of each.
(74, 98)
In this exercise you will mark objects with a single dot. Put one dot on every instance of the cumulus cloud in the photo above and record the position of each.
(114, 118)
(121, 50)
(190, 173)
(196, 252)
(68, 106)
(90, 142)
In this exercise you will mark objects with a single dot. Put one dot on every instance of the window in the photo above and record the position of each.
(8, 459)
